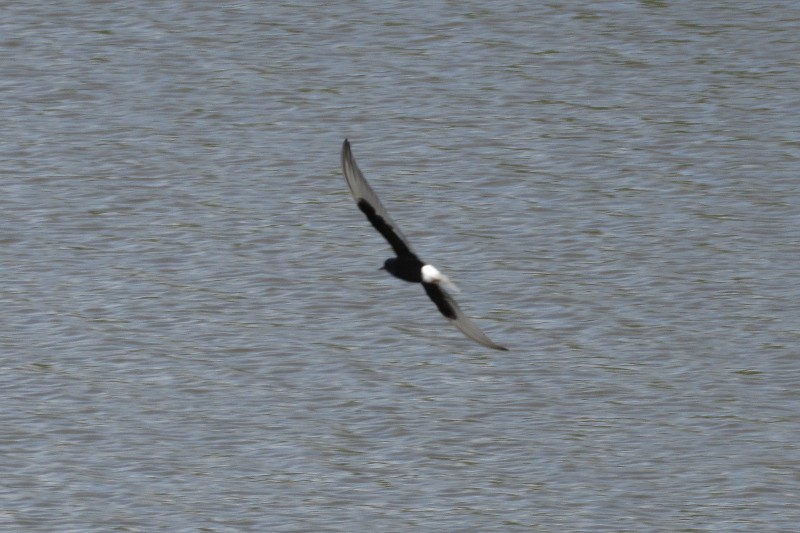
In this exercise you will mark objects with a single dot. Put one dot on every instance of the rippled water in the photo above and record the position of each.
(195, 335)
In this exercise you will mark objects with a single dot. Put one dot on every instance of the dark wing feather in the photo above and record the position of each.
(368, 203)
(449, 308)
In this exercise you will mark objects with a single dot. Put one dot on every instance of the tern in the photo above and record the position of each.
(407, 265)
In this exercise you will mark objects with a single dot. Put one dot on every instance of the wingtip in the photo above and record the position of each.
(492, 345)
(347, 153)
(489, 344)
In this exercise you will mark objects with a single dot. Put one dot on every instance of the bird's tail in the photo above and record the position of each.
(447, 284)
(431, 274)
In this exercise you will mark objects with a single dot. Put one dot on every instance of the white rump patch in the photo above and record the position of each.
(431, 274)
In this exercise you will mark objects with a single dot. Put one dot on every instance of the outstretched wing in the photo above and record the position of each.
(449, 308)
(368, 203)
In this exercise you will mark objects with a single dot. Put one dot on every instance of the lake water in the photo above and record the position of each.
(195, 335)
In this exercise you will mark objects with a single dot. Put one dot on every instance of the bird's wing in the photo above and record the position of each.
(368, 203)
(449, 308)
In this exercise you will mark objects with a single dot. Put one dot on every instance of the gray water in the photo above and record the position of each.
(195, 335)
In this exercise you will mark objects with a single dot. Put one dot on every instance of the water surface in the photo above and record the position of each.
(195, 335)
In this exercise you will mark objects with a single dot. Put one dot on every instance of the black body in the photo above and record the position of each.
(408, 268)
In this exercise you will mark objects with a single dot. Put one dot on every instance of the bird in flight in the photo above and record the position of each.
(407, 266)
